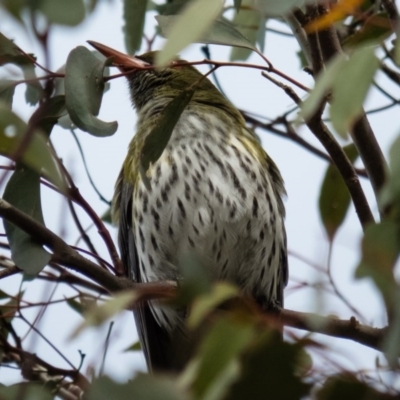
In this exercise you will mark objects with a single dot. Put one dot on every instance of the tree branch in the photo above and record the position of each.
(346, 329)
(68, 257)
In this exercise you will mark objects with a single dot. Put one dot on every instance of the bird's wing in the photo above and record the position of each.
(156, 342)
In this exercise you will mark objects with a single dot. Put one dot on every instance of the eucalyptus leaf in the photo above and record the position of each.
(334, 199)
(323, 84)
(11, 53)
(71, 12)
(134, 17)
(237, 4)
(143, 386)
(37, 154)
(48, 114)
(158, 138)
(247, 22)
(207, 302)
(380, 250)
(84, 90)
(271, 367)
(218, 357)
(7, 89)
(97, 315)
(222, 32)
(194, 21)
(374, 30)
(350, 87)
(23, 192)
(277, 7)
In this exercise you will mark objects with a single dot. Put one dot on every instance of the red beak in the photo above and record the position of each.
(123, 61)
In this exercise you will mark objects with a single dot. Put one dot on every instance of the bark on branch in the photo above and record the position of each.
(64, 255)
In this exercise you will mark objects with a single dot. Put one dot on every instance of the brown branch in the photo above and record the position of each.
(68, 257)
(345, 167)
(293, 136)
(324, 45)
(337, 154)
(346, 329)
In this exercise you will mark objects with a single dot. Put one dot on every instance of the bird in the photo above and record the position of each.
(214, 193)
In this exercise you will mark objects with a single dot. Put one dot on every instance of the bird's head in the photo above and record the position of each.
(148, 83)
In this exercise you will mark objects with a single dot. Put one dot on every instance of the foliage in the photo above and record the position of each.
(240, 354)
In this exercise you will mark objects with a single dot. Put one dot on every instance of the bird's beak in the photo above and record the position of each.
(123, 61)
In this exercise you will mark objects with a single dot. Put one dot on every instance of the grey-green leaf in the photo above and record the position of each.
(143, 386)
(23, 192)
(334, 199)
(194, 21)
(350, 88)
(158, 138)
(134, 17)
(277, 7)
(380, 250)
(37, 155)
(221, 32)
(84, 91)
(7, 89)
(247, 22)
(71, 12)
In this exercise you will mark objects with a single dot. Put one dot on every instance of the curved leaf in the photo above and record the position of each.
(23, 192)
(221, 32)
(134, 16)
(277, 7)
(196, 18)
(350, 87)
(84, 90)
(334, 199)
(247, 21)
(71, 12)
(158, 138)
(37, 154)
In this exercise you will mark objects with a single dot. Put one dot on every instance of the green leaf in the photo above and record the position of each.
(350, 87)
(218, 357)
(375, 29)
(48, 114)
(7, 89)
(390, 194)
(196, 18)
(195, 279)
(84, 90)
(334, 199)
(323, 84)
(237, 4)
(222, 32)
(31, 391)
(23, 192)
(277, 7)
(158, 138)
(11, 53)
(247, 22)
(143, 386)
(76, 306)
(134, 17)
(204, 304)
(71, 12)
(97, 315)
(380, 250)
(136, 346)
(37, 155)
(270, 367)
(34, 90)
